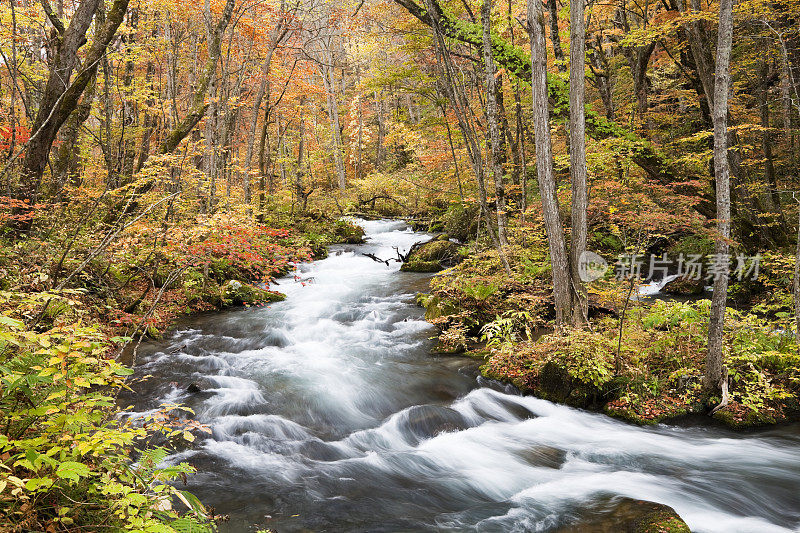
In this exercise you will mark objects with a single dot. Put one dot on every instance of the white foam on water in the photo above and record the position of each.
(332, 397)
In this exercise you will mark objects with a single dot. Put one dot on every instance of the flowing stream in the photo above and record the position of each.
(329, 414)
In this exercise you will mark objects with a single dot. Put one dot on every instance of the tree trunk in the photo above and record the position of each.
(544, 165)
(714, 373)
(60, 99)
(497, 145)
(455, 92)
(299, 187)
(796, 279)
(516, 63)
(786, 98)
(381, 130)
(45, 126)
(577, 158)
(199, 106)
(555, 38)
(333, 115)
(251, 138)
(264, 160)
(602, 72)
(65, 163)
(766, 146)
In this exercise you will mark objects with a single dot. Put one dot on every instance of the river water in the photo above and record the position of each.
(329, 414)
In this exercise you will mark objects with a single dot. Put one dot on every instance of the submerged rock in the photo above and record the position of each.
(427, 421)
(543, 456)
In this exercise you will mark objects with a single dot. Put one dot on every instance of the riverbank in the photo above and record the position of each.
(644, 369)
(65, 454)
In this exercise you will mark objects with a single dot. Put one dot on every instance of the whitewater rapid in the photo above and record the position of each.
(328, 413)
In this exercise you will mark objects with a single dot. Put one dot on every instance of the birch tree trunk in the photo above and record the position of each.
(715, 378)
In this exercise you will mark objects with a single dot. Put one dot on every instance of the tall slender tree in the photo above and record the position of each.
(562, 293)
(715, 375)
(577, 157)
(497, 146)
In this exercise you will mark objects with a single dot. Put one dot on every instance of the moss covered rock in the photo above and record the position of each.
(421, 266)
(627, 515)
(436, 306)
(432, 256)
(348, 232)
(684, 286)
(557, 385)
(235, 292)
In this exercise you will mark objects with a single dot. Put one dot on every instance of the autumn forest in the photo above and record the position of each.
(293, 234)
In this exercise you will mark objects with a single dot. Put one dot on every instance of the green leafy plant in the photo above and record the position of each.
(510, 327)
(65, 459)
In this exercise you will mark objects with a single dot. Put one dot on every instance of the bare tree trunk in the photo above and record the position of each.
(456, 94)
(714, 372)
(61, 97)
(497, 146)
(555, 38)
(796, 278)
(544, 165)
(333, 115)
(577, 158)
(381, 130)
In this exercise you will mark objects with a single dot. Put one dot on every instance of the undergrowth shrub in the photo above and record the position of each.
(65, 459)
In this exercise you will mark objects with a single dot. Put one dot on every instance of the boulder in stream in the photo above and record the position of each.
(348, 232)
(432, 256)
(684, 286)
(630, 516)
(235, 292)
